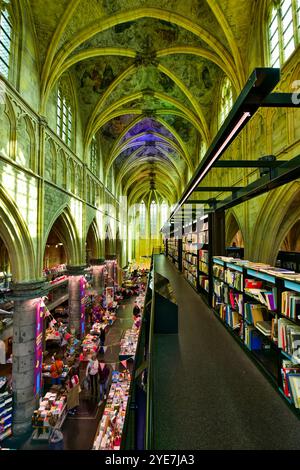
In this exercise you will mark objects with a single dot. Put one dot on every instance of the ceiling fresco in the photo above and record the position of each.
(146, 76)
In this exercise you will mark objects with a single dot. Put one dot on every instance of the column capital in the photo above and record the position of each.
(97, 262)
(29, 290)
(77, 270)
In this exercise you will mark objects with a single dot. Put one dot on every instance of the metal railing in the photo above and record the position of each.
(149, 407)
(143, 365)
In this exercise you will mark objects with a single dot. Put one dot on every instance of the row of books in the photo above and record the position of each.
(289, 338)
(266, 297)
(203, 238)
(204, 282)
(253, 339)
(290, 374)
(191, 258)
(218, 271)
(234, 279)
(203, 267)
(230, 316)
(290, 305)
(203, 256)
(191, 278)
(190, 267)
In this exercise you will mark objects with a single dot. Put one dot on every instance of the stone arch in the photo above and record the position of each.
(233, 229)
(15, 235)
(93, 242)
(63, 225)
(278, 214)
(108, 242)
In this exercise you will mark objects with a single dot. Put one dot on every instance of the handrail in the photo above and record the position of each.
(133, 372)
(149, 407)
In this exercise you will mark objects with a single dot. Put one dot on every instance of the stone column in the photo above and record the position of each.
(26, 297)
(98, 266)
(75, 273)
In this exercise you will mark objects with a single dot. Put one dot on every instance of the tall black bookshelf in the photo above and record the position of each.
(261, 308)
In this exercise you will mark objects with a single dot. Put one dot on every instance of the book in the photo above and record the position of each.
(254, 313)
(294, 388)
(265, 327)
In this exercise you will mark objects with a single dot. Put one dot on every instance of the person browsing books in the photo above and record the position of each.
(92, 371)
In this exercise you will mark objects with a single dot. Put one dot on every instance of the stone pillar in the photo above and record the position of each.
(75, 273)
(26, 297)
(98, 266)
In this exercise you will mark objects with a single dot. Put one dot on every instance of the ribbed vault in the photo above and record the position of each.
(146, 74)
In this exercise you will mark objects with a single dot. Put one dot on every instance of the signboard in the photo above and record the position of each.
(40, 310)
(82, 305)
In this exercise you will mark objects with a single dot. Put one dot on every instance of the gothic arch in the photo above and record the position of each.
(232, 227)
(93, 242)
(277, 216)
(16, 237)
(64, 226)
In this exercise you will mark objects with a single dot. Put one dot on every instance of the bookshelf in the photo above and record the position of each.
(174, 251)
(204, 258)
(260, 306)
(190, 257)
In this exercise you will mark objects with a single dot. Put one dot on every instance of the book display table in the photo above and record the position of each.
(50, 415)
(109, 433)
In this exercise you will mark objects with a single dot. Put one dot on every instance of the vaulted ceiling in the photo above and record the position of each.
(147, 74)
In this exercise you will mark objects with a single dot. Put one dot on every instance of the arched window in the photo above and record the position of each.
(93, 156)
(64, 117)
(283, 30)
(153, 219)
(142, 220)
(226, 100)
(5, 40)
(164, 213)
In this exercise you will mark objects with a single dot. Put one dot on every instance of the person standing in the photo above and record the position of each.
(104, 373)
(92, 371)
(73, 392)
(56, 370)
(136, 310)
(102, 337)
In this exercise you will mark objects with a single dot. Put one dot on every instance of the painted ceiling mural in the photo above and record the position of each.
(146, 76)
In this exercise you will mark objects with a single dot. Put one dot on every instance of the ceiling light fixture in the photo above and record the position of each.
(245, 116)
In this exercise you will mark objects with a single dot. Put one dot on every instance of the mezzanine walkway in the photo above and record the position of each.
(208, 393)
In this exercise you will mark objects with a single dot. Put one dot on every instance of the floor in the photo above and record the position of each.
(79, 431)
(208, 392)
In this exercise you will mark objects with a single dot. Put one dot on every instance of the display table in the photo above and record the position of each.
(108, 320)
(128, 343)
(51, 415)
(90, 346)
(47, 374)
(109, 433)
